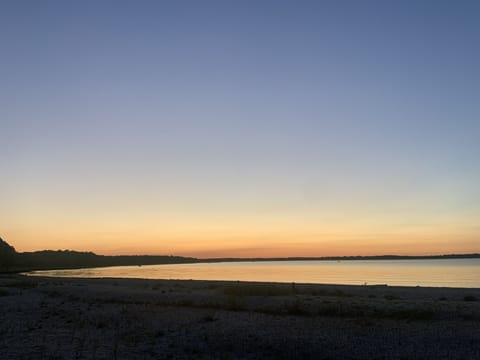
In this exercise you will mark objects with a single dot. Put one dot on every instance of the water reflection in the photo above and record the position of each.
(449, 273)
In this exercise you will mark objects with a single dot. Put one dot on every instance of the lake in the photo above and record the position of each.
(438, 273)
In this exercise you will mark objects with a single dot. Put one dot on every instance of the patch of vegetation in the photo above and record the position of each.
(208, 318)
(234, 303)
(295, 308)
(186, 302)
(341, 293)
(53, 294)
(337, 310)
(410, 314)
(258, 290)
(330, 310)
(23, 284)
(319, 292)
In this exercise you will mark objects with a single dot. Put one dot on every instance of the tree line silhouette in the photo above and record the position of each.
(11, 260)
(8, 255)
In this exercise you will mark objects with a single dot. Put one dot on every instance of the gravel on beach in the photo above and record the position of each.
(66, 318)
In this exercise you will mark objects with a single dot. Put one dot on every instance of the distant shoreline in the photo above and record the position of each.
(348, 258)
(12, 261)
(135, 260)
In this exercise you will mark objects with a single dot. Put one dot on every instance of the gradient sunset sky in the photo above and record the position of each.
(240, 128)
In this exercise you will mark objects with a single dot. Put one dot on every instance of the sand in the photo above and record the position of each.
(63, 318)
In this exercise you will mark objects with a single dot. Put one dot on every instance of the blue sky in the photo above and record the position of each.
(313, 113)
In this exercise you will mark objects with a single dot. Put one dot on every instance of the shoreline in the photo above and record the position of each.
(126, 318)
(253, 282)
(17, 270)
(299, 287)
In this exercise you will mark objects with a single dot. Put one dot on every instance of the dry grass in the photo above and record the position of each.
(258, 290)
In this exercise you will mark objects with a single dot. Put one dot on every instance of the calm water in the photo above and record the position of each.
(450, 273)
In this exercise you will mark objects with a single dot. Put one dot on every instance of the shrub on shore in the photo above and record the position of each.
(7, 255)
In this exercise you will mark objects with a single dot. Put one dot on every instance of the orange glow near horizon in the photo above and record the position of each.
(140, 220)
(284, 237)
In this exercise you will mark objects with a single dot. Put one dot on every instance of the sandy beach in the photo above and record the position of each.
(64, 318)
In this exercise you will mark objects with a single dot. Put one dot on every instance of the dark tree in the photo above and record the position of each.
(7, 255)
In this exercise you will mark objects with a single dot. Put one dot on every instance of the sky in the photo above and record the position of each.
(240, 128)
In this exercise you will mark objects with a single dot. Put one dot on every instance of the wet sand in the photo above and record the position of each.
(64, 318)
